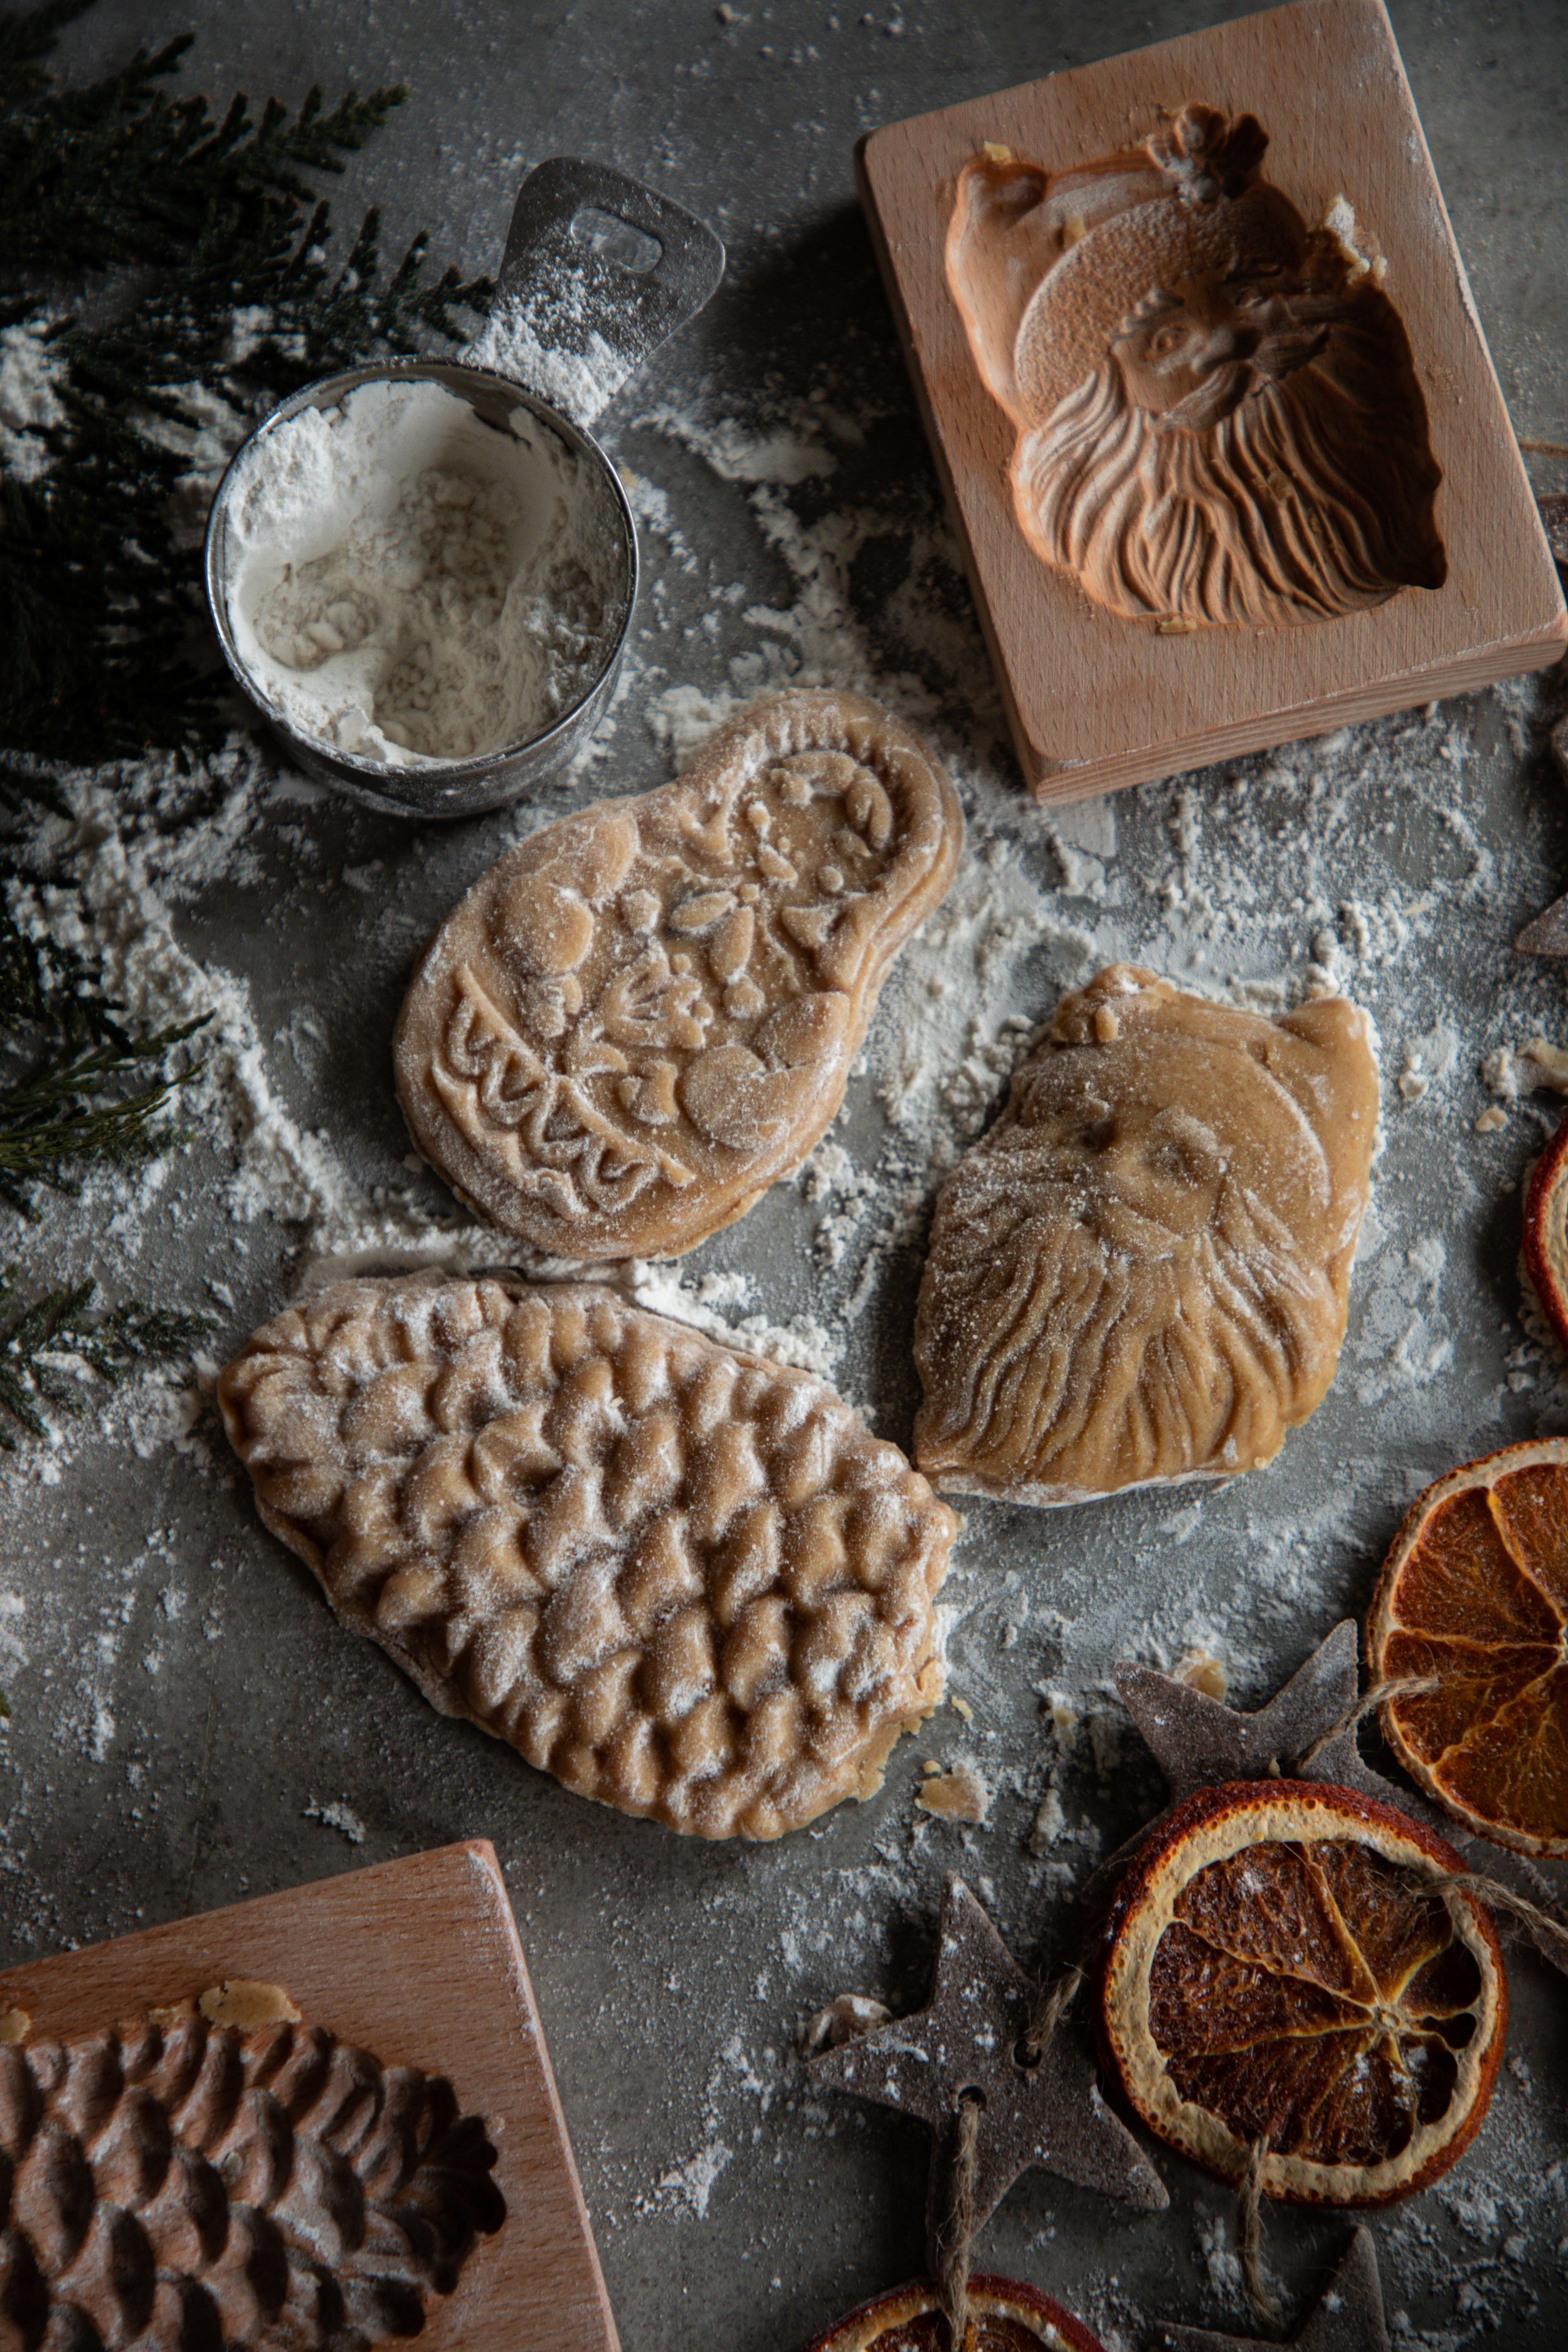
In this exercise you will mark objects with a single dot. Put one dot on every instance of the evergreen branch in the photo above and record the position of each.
(27, 38)
(62, 1107)
(232, 292)
(54, 1351)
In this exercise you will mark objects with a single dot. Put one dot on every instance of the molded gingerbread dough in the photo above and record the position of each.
(1140, 1273)
(684, 1582)
(642, 1016)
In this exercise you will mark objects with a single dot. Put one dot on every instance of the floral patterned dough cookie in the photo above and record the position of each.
(643, 1015)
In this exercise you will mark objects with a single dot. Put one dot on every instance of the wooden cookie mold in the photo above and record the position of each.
(453, 2189)
(1205, 385)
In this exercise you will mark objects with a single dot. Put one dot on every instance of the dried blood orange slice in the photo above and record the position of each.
(1546, 1232)
(1004, 2316)
(1475, 1595)
(1274, 1970)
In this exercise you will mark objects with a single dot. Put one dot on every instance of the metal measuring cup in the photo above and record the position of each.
(597, 272)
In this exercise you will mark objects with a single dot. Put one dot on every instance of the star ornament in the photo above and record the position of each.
(1043, 2109)
(1198, 1741)
(1348, 2315)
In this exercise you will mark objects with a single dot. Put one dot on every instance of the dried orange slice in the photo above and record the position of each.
(1474, 1592)
(1005, 2315)
(1274, 1970)
(1546, 1232)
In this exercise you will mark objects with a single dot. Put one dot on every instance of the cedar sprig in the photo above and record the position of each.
(60, 1352)
(152, 250)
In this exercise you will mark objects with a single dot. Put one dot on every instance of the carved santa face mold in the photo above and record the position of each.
(177, 2183)
(643, 1015)
(1218, 417)
(1140, 1273)
(686, 1582)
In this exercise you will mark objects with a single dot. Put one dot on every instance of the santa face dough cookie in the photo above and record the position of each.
(642, 1016)
(1140, 1273)
(684, 1582)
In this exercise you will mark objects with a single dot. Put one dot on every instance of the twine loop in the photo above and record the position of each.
(1401, 1686)
(1046, 2014)
(955, 2230)
(1549, 1935)
(1249, 2236)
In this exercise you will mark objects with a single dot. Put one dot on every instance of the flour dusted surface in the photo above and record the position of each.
(174, 1682)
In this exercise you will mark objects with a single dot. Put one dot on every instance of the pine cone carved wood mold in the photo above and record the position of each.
(645, 1014)
(184, 2187)
(1218, 417)
(685, 1582)
(1140, 1273)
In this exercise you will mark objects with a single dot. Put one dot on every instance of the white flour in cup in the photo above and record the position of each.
(410, 584)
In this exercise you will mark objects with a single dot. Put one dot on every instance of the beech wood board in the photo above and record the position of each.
(1096, 701)
(418, 1961)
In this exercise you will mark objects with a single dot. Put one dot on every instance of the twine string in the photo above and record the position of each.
(1250, 2233)
(1549, 1935)
(1402, 1686)
(955, 2230)
(1049, 2010)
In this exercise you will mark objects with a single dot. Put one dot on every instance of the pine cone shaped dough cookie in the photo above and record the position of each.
(1140, 1273)
(687, 1582)
(643, 1015)
(185, 2187)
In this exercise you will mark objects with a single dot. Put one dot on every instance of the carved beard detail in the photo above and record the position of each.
(1171, 1339)
(1218, 416)
(1300, 495)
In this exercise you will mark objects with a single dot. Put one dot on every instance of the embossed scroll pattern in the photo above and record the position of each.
(1218, 418)
(644, 1014)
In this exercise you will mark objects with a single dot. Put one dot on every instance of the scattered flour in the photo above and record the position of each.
(1387, 860)
(337, 1816)
(29, 401)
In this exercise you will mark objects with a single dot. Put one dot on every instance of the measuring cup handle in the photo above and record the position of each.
(597, 271)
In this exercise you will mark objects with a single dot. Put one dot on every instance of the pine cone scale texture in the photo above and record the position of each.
(188, 2188)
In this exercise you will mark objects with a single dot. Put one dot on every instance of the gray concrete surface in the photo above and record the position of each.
(185, 1709)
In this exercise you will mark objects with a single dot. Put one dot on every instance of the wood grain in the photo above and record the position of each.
(418, 1961)
(1095, 701)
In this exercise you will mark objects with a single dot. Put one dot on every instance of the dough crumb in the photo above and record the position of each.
(844, 2020)
(960, 1795)
(1201, 1671)
(245, 2001)
(14, 2024)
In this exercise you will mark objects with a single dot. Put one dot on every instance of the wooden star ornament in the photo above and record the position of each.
(1043, 2108)
(1347, 2317)
(1198, 1741)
